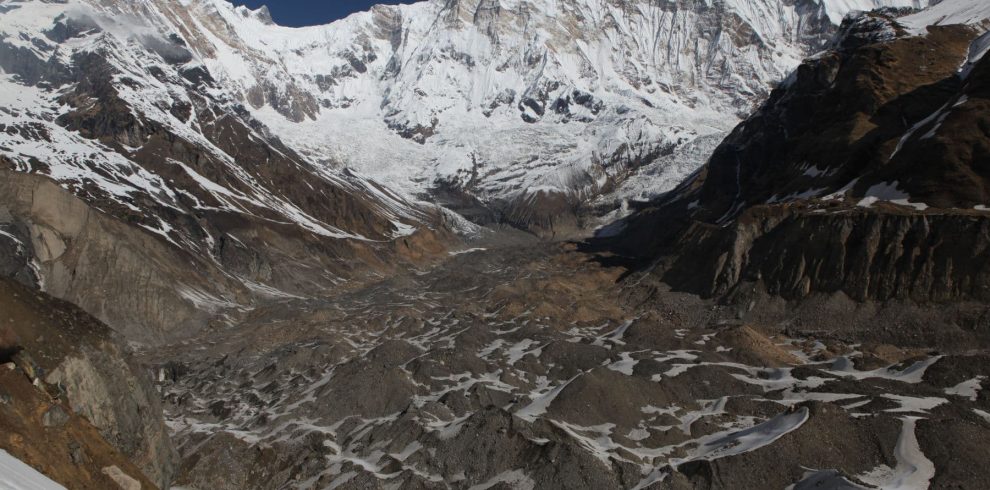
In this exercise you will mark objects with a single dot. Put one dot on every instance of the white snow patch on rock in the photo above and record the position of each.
(15, 475)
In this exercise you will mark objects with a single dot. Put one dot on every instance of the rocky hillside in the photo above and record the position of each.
(851, 177)
(525, 366)
(73, 403)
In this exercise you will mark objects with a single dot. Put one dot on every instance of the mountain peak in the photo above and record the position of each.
(261, 14)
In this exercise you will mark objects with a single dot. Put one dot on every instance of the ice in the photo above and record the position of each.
(637, 434)
(889, 192)
(467, 251)
(522, 349)
(20, 244)
(837, 9)
(857, 404)
(709, 408)
(914, 404)
(685, 355)
(540, 404)
(204, 300)
(843, 366)
(797, 196)
(656, 476)
(265, 290)
(977, 50)
(615, 336)
(625, 365)
(948, 12)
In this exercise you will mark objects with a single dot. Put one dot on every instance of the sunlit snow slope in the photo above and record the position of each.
(502, 100)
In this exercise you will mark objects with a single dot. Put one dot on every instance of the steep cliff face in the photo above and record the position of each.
(850, 178)
(98, 408)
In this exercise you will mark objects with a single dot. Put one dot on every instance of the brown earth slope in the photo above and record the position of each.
(74, 400)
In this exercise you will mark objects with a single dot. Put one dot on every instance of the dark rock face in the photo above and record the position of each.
(71, 451)
(849, 179)
(867, 255)
(839, 118)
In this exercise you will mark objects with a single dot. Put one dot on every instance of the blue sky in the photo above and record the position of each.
(312, 12)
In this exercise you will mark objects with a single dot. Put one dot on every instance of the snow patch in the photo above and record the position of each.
(15, 475)
(948, 12)
(914, 470)
(967, 389)
(731, 443)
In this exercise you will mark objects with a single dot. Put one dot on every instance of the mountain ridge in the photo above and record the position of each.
(846, 179)
(400, 93)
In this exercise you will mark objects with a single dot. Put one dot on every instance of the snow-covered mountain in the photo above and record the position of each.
(527, 107)
(283, 162)
(522, 110)
(181, 205)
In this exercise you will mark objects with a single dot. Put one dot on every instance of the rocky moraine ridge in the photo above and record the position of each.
(235, 255)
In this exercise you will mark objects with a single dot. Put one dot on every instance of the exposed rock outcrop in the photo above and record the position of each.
(866, 254)
(124, 276)
(71, 451)
(851, 178)
(89, 381)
